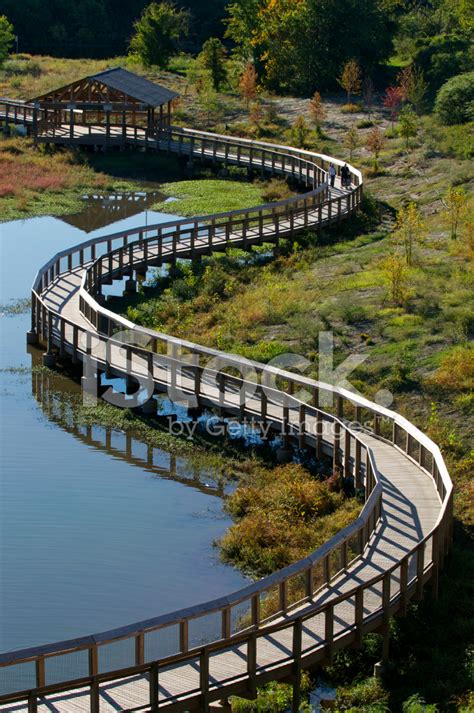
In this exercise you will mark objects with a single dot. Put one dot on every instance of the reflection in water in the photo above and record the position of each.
(54, 395)
(95, 531)
(106, 208)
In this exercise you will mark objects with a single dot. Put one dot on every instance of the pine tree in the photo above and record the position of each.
(213, 56)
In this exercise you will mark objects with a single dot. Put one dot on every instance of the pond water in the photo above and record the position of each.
(95, 531)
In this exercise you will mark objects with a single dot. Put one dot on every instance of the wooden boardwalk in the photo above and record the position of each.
(295, 618)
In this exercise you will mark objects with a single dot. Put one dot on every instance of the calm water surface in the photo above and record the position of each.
(91, 537)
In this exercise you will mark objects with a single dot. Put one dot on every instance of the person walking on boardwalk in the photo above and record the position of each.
(332, 174)
(345, 176)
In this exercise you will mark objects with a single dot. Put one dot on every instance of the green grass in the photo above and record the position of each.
(209, 196)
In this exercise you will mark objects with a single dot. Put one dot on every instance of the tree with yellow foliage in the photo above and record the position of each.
(351, 79)
(317, 112)
(396, 274)
(455, 203)
(410, 230)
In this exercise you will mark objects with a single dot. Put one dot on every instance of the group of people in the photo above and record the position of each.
(345, 175)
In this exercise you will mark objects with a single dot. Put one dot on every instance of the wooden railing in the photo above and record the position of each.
(283, 399)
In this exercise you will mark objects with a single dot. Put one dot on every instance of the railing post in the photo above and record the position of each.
(140, 648)
(297, 645)
(226, 623)
(337, 443)
(385, 615)
(403, 585)
(309, 583)
(252, 663)
(32, 702)
(154, 688)
(204, 679)
(347, 451)
(94, 686)
(283, 595)
(420, 566)
(40, 673)
(357, 464)
(183, 636)
(435, 557)
(329, 630)
(255, 610)
(359, 616)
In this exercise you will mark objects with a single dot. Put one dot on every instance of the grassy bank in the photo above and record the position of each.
(39, 182)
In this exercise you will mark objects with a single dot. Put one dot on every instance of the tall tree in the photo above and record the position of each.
(157, 32)
(455, 204)
(410, 230)
(393, 100)
(351, 141)
(6, 37)
(413, 87)
(408, 121)
(213, 58)
(368, 93)
(300, 131)
(351, 78)
(317, 111)
(248, 84)
(242, 25)
(375, 143)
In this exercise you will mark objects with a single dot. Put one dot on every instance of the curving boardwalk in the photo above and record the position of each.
(300, 616)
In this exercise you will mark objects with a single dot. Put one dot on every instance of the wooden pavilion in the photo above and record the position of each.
(114, 97)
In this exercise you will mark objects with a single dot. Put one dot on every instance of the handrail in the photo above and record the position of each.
(346, 446)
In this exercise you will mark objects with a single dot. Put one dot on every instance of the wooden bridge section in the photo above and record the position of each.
(301, 615)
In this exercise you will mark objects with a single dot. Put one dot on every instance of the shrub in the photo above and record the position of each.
(368, 692)
(276, 190)
(456, 371)
(350, 108)
(15, 67)
(442, 57)
(365, 124)
(281, 516)
(455, 100)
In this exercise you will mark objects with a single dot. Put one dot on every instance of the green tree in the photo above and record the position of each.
(408, 122)
(300, 131)
(455, 204)
(210, 103)
(410, 230)
(7, 37)
(351, 141)
(157, 32)
(396, 276)
(213, 59)
(413, 87)
(299, 46)
(242, 25)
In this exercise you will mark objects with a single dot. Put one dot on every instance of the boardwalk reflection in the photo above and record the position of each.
(107, 208)
(55, 396)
